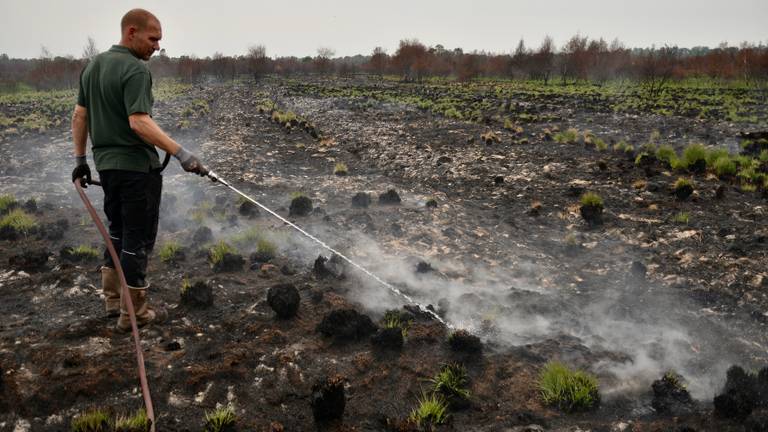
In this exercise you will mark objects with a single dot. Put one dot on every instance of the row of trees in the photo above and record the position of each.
(580, 59)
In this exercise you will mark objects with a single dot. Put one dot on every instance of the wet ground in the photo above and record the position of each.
(510, 257)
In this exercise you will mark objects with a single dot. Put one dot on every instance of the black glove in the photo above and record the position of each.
(82, 171)
(190, 162)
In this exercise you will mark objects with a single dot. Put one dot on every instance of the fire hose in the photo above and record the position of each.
(126, 297)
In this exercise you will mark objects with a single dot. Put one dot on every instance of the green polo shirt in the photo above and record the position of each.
(114, 85)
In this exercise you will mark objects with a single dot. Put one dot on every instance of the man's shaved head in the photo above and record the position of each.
(138, 18)
(141, 33)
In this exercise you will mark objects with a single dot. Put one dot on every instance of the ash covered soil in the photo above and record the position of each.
(487, 232)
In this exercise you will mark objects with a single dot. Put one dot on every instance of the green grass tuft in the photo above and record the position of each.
(432, 410)
(591, 199)
(394, 319)
(217, 252)
(139, 422)
(18, 220)
(92, 421)
(567, 389)
(219, 419)
(600, 144)
(266, 247)
(295, 195)
(724, 166)
(340, 169)
(569, 136)
(169, 251)
(85, 252)
(451, 381)
(185, 286)
(7, 202)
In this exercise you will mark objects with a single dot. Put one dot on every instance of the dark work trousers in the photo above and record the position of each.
(132, 205)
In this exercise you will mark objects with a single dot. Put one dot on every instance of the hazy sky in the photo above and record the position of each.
(299, 27)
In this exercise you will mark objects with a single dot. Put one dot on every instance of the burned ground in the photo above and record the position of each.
(629, 299)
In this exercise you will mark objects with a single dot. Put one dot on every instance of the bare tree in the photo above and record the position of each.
(90, 51)
(257, 61)
(323, 59)
(378, 61)
(542, 61)
(655, 69)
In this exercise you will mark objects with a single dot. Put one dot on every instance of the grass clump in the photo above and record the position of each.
(340, 169)
(695, 155)
(432, 410)
(295, 195)
(591, 199)
(600, 144)
(266, 249)
(169, 251)
(96, 420)
(7, 203)
(220, 419)
(246, 238)
(681, 218)
(682, 182)
(666, 154)
(139, 422)
(569, 136)
(567, 389)
(451, 381)
(219, 250)
(18, 220)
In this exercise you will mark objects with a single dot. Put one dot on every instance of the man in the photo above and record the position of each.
(114, 106)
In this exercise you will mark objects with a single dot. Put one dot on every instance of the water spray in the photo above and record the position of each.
(216, 178)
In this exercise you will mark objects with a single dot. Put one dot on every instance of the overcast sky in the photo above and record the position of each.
(299, 27)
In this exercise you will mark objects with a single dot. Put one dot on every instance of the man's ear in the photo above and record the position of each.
(131, 31)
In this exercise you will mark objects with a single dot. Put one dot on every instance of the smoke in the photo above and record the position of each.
(647, 329)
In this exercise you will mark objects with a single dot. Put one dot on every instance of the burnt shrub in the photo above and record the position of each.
(328, 398)
(465, 342)
(670, 395)
(390, 197)
(284, 300)
(361, 200)
(301, 205)
(346, 324)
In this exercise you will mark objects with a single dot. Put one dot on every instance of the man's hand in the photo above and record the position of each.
(190, 162)
(82, 171)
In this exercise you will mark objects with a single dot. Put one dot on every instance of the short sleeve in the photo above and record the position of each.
(81, 100)
(137, 93)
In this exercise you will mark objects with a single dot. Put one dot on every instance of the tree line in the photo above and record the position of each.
(579, 60)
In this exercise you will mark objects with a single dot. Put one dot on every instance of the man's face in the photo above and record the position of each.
(144, 42)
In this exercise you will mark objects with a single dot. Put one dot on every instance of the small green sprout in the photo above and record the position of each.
(393, 319)
(220, 419)
(340, 169)
(432, 410)
(96, 420)
(85, 252)
(682, 218)
(139, 422)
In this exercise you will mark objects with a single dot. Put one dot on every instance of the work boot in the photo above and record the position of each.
(145, 313)
(110, 287)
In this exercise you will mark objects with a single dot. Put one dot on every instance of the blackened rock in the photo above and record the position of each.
(390, 197)
(592, 214)
(325, 268)
(229, 263)
(361, 200)
(202, 235)
(248, 209)
(328, 399)
(670, 395)
(29, 260)
(431, 203)
(199, 295)
(739, 397)
(300, 206)
(388, 338)
(464, 341)
(284, 300)
(173, 346)
(346, 324)
(262, 256)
